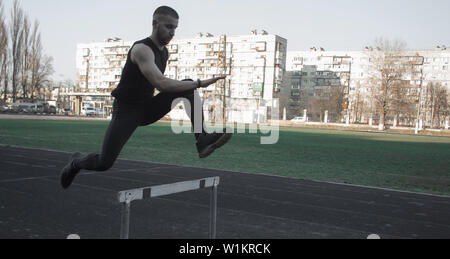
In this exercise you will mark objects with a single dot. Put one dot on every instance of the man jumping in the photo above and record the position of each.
(135, 104)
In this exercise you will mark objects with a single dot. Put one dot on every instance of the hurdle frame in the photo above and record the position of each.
(128, 196)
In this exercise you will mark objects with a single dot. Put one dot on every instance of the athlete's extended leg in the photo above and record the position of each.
(121, 127)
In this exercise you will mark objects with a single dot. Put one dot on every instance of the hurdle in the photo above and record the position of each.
(128, 196)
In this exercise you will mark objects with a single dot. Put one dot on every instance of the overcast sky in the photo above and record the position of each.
(332, 24)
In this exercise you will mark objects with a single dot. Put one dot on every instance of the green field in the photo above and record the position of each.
(413, 163)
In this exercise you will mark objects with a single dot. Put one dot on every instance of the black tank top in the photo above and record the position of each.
(134, 88)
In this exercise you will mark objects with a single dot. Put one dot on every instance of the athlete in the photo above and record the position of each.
(136, 105)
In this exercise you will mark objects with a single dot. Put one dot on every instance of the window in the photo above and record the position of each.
(295, 81)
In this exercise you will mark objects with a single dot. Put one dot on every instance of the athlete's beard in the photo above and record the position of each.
(164, 40)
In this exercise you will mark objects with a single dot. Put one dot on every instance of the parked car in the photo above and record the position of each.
(62, 111)
(298, 120)
(14, 108)
(38, 108)
(26, 108)
(51, 109)
(4, 109)
(67, 111)
(99, 112)
(90, 111)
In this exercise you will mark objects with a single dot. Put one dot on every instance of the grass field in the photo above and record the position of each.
(413, 163)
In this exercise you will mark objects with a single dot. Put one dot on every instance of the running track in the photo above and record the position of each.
(250, 206)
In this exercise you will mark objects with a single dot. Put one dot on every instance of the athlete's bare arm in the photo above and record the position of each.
(143, 56)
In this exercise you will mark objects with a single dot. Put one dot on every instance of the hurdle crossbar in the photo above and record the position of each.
(128, 196)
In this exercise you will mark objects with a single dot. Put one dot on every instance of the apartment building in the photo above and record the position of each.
(354, 69)
(308, 89)
(254, 65)
(99, 67)
(435, 72)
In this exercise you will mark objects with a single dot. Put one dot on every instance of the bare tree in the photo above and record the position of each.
(35, 57)
(25, 58)
(41, 66)
(3, 53)
(16, 30)
(399, 100)
(41, 76)
(388, 71)
(319, 104)
(331, 99)
(437, 103)
(409, 109)
(5, 69)
(369, 95)
(443, 104)
(358, 105)
(338, 101)
(304, 100)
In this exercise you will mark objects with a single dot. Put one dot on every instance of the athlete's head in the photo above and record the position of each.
(165, 22)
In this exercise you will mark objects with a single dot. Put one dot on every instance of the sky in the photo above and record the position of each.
(331, 24)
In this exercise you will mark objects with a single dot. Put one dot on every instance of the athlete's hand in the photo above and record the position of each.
(208, 82)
